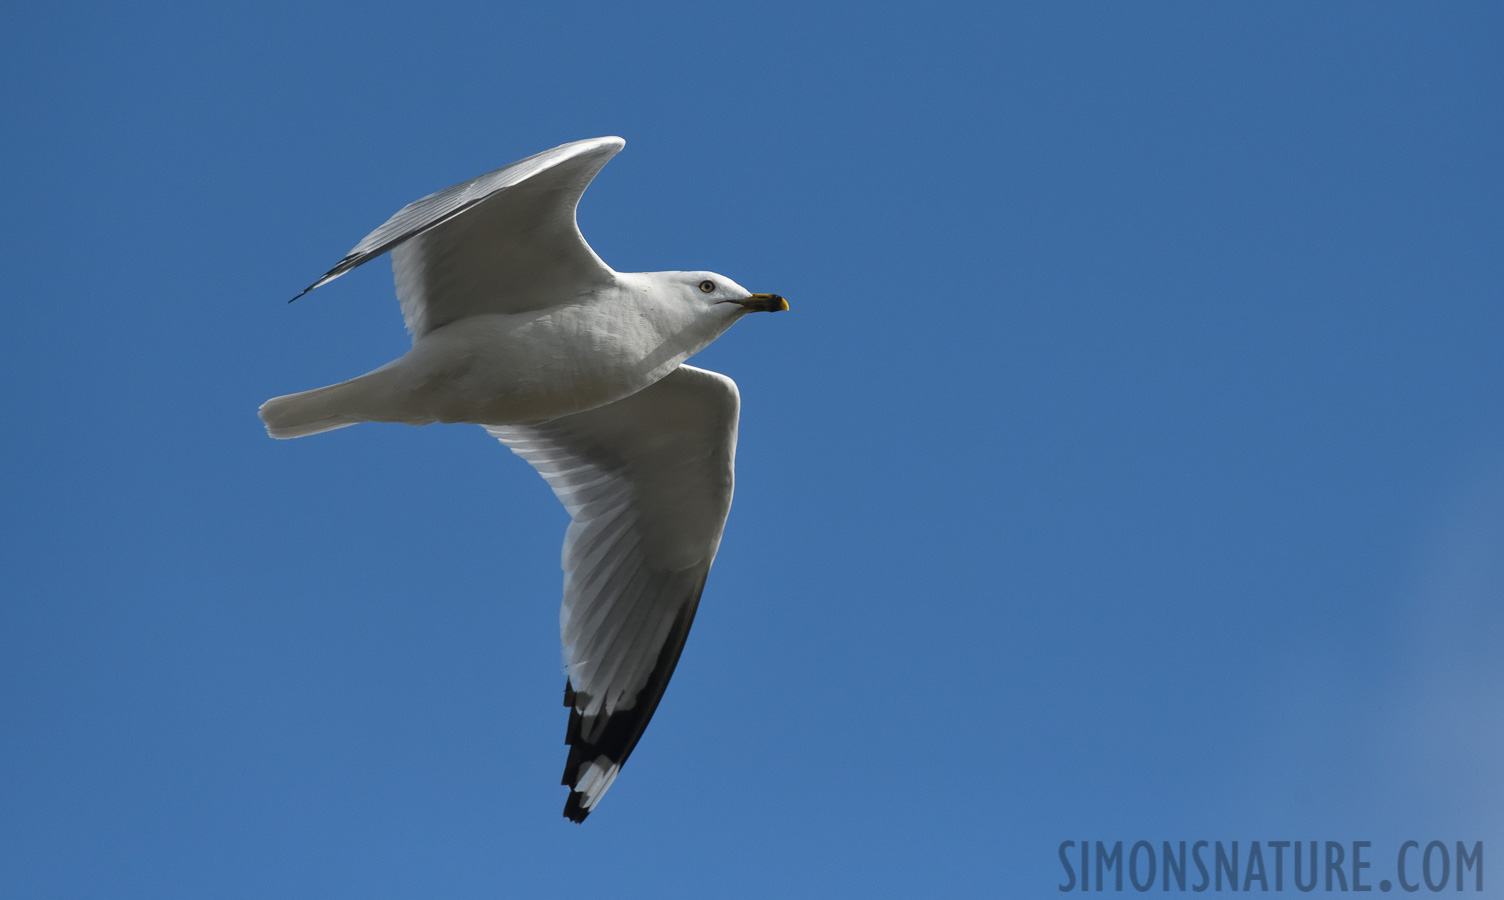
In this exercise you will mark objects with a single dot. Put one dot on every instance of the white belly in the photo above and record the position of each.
(518, 368)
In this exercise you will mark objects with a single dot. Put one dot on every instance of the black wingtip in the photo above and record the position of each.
(616, 740)
(345, 265)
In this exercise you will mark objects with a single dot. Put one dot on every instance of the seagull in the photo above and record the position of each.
(518, 326)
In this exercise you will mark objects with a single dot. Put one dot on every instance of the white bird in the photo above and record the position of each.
(518, 326)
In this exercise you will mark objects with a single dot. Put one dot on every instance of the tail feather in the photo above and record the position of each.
(310, 412)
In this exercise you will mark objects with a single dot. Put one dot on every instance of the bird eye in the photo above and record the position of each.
(707, 285)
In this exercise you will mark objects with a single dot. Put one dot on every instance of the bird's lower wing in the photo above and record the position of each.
(647, 481)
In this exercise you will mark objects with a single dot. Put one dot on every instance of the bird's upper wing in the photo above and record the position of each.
(504, 242)
(647, 481)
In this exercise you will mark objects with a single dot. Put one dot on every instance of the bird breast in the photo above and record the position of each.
(519, 368)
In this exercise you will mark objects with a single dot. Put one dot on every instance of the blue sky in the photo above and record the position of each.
(1129, 466)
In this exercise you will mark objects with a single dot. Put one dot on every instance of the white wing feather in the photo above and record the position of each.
(647, 481)
(506, 241)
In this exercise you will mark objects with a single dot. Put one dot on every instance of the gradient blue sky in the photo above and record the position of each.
(1130, 465)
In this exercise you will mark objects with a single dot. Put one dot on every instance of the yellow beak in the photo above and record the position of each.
(764, 303)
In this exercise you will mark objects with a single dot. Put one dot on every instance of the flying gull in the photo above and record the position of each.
(519, 327)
